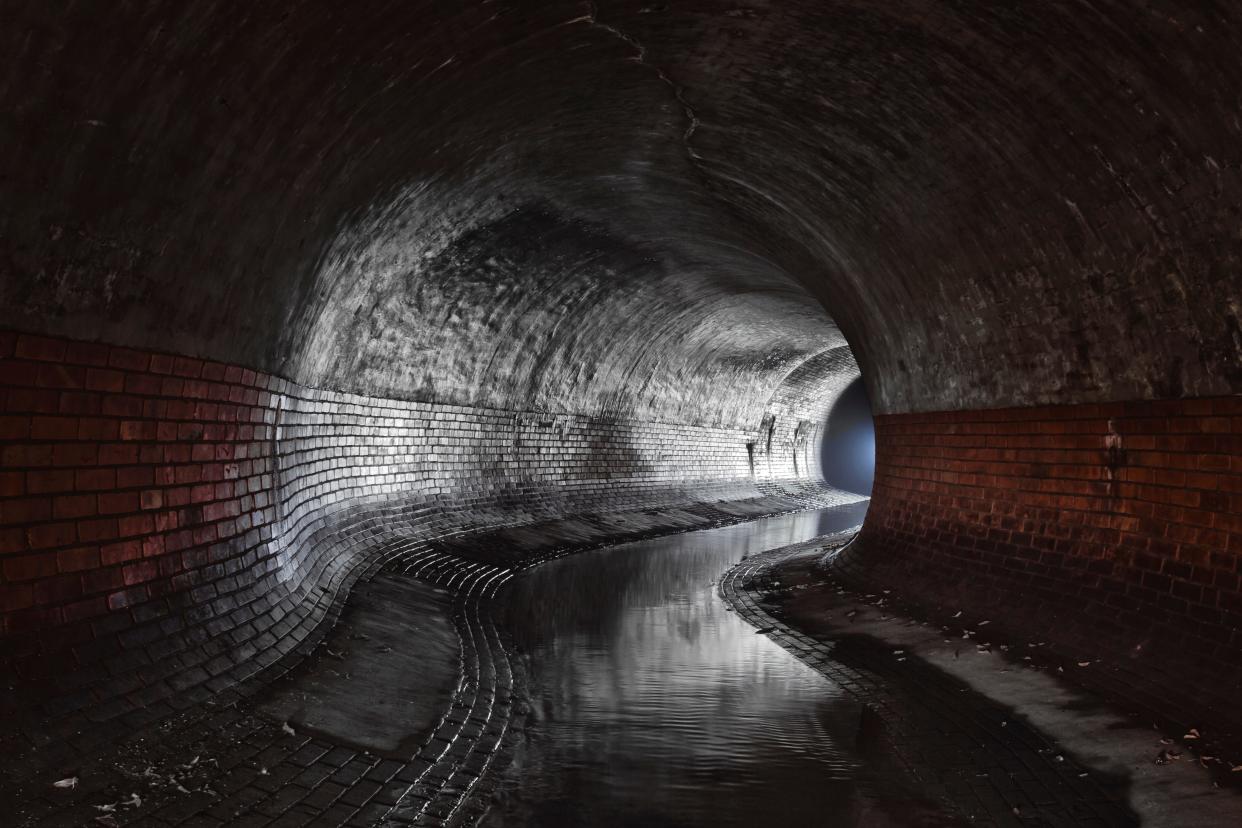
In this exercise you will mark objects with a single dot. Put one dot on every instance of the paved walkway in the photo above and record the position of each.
(964, 749)
(231, 766)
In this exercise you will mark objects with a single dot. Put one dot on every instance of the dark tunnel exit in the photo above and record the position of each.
(848, 449)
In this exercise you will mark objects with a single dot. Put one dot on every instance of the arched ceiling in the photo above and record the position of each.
(636, 209)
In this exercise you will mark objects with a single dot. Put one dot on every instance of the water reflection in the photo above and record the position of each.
(655, 705)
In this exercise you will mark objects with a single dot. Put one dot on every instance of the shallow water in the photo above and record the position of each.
(655, 705)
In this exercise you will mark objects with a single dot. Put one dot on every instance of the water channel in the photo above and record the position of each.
(655, 705)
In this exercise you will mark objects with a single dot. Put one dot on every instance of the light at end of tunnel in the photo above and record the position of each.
(848, 450)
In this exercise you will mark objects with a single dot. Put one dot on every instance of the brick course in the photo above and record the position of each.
(791, 434)
(1112, 527)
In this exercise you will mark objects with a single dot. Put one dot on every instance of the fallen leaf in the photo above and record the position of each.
(68, 783)
(1166, 756)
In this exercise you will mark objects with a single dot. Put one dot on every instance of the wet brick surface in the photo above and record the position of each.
(968, 752)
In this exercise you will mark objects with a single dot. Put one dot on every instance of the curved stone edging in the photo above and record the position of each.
(930, 722)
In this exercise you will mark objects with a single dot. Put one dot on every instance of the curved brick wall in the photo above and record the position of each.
(1110, 529)
(172, 523)
(522, 259)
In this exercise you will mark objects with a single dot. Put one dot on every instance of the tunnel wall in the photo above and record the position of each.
(1111, 528)
(792, 429)
(622, 214)
(176, 522)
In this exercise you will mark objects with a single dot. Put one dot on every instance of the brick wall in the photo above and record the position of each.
(790, 435)
(1107, 527)
(168, 523)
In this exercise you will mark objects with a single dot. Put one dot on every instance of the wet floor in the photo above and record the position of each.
(655, 705)
(363, 687)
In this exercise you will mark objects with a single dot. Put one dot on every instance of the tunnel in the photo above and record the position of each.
(406, 405)
(847, 447)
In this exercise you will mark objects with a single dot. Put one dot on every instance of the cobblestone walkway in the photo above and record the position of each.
(230, 766)
(453, 764)
(966, 751)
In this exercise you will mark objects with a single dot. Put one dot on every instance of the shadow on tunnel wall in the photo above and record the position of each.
(848, 449)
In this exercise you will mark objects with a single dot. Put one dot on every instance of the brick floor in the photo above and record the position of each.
(966, 751)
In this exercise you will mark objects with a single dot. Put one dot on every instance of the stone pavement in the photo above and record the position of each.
(963, 749)
(227, 765)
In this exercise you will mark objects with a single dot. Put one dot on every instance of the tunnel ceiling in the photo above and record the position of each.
(636, 208)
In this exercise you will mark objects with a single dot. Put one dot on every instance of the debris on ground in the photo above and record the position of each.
(68, 783)
(1168, 755)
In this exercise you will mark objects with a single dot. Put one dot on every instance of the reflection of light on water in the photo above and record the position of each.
(652, 699)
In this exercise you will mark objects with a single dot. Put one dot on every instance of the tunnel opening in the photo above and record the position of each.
(847, 452)
(295, 300)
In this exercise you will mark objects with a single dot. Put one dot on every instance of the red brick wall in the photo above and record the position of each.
(120, 471)
(1117, 522)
